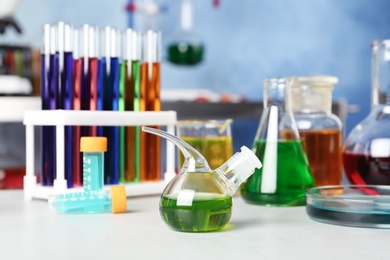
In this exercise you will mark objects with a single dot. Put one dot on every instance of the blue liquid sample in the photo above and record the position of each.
(82, 202)
(111, 103)
(67, 104)
(49, 95)
(93, 171)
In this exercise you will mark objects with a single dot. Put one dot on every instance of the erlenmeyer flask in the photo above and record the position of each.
(366, 152)
(286, 174)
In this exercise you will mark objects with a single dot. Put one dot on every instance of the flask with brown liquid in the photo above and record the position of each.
(319, 129)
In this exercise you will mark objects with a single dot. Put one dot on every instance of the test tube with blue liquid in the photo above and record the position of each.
(93, 199)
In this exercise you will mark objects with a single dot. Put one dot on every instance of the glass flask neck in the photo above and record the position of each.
(380, 72)
(274, 93)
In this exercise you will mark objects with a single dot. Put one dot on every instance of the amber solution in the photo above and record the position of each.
(150, 159)
(216, 150)
(323, 150)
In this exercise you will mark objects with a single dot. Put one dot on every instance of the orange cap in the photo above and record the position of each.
(93, 144)
(119, 200)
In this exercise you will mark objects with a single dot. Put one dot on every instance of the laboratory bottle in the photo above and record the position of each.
(93, 149)
(319, 129)
(199, 199)
(99, 201)
(366, 151)
(285, 175)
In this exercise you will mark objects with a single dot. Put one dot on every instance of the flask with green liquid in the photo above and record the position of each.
(285, 175)
(199, 199)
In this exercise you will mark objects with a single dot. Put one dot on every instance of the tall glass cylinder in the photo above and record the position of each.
(366, 152)
(285, 175)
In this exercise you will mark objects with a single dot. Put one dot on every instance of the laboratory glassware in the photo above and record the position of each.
(350, 205)
(93, 199)
(185, 46)
(211, 138)
(319, 129)
(150, 159)
(366, 151)
(113, 200)
(93, 149)
(199, 199)
(285, 175)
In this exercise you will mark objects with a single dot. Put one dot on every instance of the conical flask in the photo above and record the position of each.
(199, 199)
(286, 174)
(366, 151)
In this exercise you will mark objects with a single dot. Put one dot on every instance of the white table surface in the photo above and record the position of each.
(29, 230)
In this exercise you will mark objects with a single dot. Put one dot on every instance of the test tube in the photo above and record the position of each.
(150, 161)
(113, 200)
(93, 149)
(130, 89)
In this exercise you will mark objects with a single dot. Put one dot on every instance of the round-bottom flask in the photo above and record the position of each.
(366, 152)
(285, 175)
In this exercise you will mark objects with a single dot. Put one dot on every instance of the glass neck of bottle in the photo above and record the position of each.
(274, 94)
(380, 73)
(313, 100)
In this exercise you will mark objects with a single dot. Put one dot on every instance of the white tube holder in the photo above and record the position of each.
(62, 118)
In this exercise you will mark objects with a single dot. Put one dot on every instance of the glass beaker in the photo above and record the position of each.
(319, 129)
(285, 175)
(212, 138)
(366, 152)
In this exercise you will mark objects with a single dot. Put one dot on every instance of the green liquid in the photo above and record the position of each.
(293, 176)
(185, 54)
(208, 212)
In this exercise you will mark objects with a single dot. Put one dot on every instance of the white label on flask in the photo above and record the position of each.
(185, 198)
(268, 181)
(380, 148)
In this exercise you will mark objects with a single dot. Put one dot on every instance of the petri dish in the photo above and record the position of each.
(350, 205)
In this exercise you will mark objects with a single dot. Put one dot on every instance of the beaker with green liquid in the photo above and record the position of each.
(199, 199)
(285, 175)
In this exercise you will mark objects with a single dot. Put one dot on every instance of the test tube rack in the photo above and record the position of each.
(62, 118)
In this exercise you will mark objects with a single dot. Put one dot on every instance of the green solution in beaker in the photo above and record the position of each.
(207, 212)
(292, 176)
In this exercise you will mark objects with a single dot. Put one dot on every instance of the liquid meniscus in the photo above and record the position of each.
(323, 150)
(208, 212)
(290, 174)
(365, 169)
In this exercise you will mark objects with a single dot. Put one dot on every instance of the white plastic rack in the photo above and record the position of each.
(62, 118)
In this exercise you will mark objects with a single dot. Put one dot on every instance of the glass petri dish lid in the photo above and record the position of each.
(351, 205)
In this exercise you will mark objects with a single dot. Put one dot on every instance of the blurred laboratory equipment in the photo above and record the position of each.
(286, 174)
(212, 138)
(185, 47)
(319, 129)
(366, 152)
(199, 199)
(7, 19)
